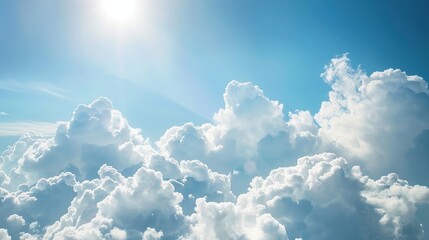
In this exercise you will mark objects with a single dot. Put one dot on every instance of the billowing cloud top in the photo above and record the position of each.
(254, 172)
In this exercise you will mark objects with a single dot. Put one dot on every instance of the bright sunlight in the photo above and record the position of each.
(119, 11)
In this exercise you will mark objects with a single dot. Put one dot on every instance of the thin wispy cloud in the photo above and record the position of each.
(41, 87)
(20, 128)
(4, 114)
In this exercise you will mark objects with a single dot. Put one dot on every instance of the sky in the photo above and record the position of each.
(184, 53)
(224, 119)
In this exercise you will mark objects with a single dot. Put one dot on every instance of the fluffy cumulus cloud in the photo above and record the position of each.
(152, 234)
(119, 208)
(229, 221)
(231, 141)
(323, 197)
(378, 120)
(4, 235)
(97, 134)
(248, 137)
(354, 170)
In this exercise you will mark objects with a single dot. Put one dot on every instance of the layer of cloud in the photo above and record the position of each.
(321, 197)
(26, 87)
(254, 172)
(21, 128)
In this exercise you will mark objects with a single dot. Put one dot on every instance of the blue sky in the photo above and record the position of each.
(174, 64)
(295, 120)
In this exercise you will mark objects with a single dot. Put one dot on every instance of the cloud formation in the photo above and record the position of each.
(21, 128)
(374, 120)
(254, 172)
(323, 197)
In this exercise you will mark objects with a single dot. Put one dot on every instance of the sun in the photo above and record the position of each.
(119, 11)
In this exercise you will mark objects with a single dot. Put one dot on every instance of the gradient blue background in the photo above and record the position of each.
(173, 66)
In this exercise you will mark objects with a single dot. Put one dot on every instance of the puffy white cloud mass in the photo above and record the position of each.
(321, 197)
(378, 121)
(253, 172)
(4, 235)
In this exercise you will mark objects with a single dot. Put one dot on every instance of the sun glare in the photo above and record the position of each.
(119, 11)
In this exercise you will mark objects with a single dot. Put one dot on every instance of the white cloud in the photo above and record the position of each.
(145, 200)
(229, 221)
(4, 114)
(136, 203)
(152, 234)
(321, 197)
(378, 121)
(249, 135)
(96, 177)
(374, 120)
(4, 235)
(15, 220)
(83, 208)
(21, 128)
(40, 205)
(249, 114)
(95, 132)
(324, 192)
(118, 234)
